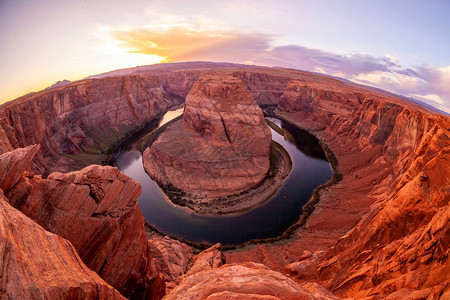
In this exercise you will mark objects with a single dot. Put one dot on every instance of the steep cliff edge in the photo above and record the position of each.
(220, 147)
(96, 210)
(81, 123)
(37, 264)
(400, 247)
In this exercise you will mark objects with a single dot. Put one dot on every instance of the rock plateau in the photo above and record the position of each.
(221, 147)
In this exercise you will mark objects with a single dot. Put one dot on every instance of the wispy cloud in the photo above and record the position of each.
(184, 43)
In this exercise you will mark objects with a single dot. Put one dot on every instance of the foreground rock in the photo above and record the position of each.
(238, 281)
(172, 258)
(221, 147)
(14, 163)
(402, 245)
(37, 264)
(96, 210)
(208, 259)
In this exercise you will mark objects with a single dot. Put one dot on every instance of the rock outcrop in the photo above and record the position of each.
(402, 244)
(209, 154)
(172, 258)
(96, 210)
(14, 163)
(238, 281)
(37, 264)
(208, 259)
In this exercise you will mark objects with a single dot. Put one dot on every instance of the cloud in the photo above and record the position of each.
(308, 59)
(184, 43)
(179, 44)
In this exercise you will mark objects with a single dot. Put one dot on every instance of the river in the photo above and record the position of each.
(269, 219)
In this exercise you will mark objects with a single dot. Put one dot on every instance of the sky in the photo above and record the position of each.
(402, 46)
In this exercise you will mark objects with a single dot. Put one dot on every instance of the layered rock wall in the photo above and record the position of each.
(80, 123)
(37, 264)
(96, 210)
(400, 247)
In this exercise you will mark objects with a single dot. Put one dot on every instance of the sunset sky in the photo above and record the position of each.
(402, 46)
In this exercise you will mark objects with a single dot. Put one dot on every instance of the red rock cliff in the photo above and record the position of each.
(400, 247)
(96, 210)
(37, 264)
(81, 122)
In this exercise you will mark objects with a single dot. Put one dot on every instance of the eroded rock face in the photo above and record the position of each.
(208, 259)
(14, 163)
(172, 258)
(403, 242)
(238, 281)
(85, 119)
(398, 248)
(37, 264)
(96, 210)
(221, 146)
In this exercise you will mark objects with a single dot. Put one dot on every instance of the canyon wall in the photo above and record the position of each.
(400, 246)
(80, 123)
(96, 210)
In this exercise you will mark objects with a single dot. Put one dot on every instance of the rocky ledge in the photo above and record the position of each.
(95, 209)
(208, 154)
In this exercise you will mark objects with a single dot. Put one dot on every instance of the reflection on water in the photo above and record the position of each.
(267, 220)
(305, 142)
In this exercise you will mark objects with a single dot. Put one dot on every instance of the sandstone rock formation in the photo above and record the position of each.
(80, 123)
(238, 281)
(402, 244)
(96, 210)
(14, 164)
(172, 258)
(208, 259)
(400, 247)
(37, 264)
(221, 147)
